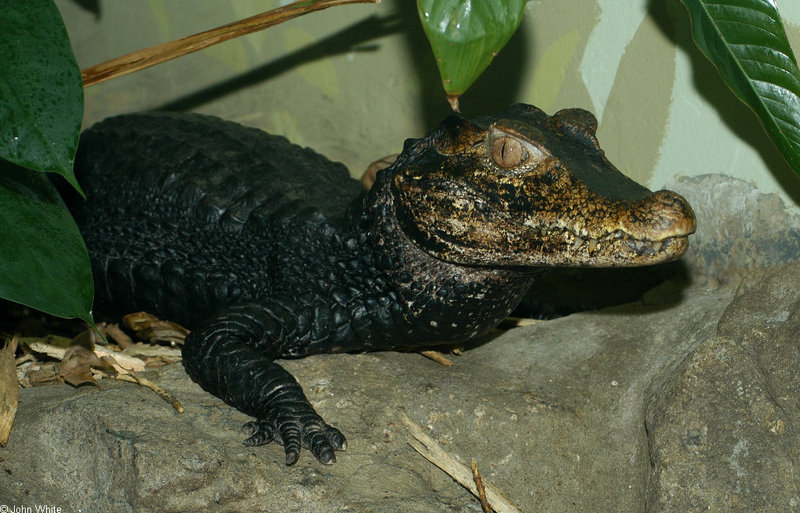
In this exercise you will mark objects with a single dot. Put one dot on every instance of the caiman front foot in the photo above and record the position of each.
(295, 430)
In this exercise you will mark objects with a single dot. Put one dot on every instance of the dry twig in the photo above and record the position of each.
(133, 378)
(433, 452)
(164, 52)
(481, 489)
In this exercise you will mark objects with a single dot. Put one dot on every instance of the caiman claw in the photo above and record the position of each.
(295, 430)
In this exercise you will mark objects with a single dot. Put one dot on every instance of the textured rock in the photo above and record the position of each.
(724, 430)
(553, 414)
(738, 228)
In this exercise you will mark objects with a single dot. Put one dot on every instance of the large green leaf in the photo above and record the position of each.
(745, 40)
(43, 260)
(466, 35)
(41, 95)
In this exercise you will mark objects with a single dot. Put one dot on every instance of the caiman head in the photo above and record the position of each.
(522, 188)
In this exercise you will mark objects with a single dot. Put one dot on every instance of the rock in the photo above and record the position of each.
(739, 228)
(553, 414)
(724, 431)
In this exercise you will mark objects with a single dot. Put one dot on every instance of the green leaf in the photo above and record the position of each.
(466, 35)
(41, 95)
(44, 263)
(745, 40)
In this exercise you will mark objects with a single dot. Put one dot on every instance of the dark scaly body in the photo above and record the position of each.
(267, 250)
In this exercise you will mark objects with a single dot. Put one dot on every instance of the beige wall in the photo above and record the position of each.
(353, 82)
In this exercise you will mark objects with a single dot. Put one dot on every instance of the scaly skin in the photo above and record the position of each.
(266, 250)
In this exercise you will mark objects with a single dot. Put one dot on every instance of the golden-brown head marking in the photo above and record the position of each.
(525, 189)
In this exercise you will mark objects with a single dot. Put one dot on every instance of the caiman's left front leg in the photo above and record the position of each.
(231, 357)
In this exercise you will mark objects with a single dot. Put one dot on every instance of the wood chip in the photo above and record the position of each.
(122, 362)
(114, 332)
(168, 354)
(9, 389)
(40, 374)
(154, 330)
(48, 349)
(438, 357)
(517, 322)
(433, 452)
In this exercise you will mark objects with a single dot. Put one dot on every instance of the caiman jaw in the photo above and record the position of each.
(618, 234)
(650, 231)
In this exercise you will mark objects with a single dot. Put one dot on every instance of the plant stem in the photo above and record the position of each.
(167, 51)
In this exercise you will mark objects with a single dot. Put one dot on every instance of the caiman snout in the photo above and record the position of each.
(661, 216)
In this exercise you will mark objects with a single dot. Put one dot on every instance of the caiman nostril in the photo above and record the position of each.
(675, 213)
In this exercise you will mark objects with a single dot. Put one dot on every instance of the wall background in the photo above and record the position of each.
(353, 82)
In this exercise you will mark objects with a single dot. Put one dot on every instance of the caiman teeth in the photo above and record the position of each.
(581, 240)
(591, 244)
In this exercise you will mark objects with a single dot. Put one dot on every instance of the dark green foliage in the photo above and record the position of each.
(43, 260)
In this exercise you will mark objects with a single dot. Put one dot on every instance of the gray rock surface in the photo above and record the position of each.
(724, 429)
(548, 412)
(686, 400)
(738, 228)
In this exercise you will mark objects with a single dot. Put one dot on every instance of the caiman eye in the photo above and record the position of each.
(508, 152)
(513, 153)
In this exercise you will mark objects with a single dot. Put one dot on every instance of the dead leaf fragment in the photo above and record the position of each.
(9, 389)
(371, 174)
(76, 366)
(152, 329)
(37, 374)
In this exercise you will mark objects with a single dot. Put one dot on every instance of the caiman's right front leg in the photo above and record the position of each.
(231, 357)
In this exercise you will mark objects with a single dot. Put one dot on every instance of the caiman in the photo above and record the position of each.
(267, 250)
